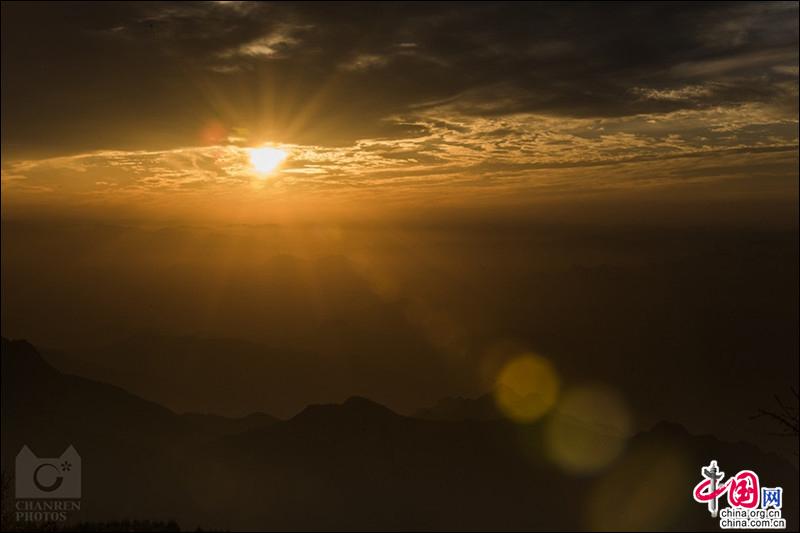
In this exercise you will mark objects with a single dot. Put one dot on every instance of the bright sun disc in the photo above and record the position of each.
(265, 160)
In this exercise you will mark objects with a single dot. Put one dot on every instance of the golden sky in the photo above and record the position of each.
(376, 194)
(161, 104)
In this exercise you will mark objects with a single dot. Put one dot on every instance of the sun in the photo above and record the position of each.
(265, 160)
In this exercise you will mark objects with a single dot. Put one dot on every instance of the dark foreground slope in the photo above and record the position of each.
(356, 465)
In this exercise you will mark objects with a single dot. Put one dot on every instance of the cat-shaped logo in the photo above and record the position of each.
(56, 478)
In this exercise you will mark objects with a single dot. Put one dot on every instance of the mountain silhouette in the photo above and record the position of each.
(189, 374)
(355, 411)
(355, 466)
(454, 409)
(223, 425)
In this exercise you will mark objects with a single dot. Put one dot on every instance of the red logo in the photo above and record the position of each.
(742, 489)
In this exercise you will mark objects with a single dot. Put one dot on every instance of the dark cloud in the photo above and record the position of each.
(146, 75)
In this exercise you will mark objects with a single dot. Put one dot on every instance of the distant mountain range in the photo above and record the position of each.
(481, 408)
(353, 466)
(191, 374)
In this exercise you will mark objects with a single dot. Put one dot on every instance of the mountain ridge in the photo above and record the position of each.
(356, 465)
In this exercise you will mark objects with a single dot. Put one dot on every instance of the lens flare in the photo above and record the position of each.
(588, 429)
(266, 159)
(526, 388)
(644, 491)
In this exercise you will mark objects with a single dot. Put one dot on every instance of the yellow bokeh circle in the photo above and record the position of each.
(526, 388)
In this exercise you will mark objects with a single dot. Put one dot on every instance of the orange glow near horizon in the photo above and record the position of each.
(266, 159)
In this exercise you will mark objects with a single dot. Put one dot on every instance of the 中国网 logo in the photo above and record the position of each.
(751, 506)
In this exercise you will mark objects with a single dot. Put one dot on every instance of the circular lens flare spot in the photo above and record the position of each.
(644, 491)
(588, 429)
(266, 159)
(526, 388)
